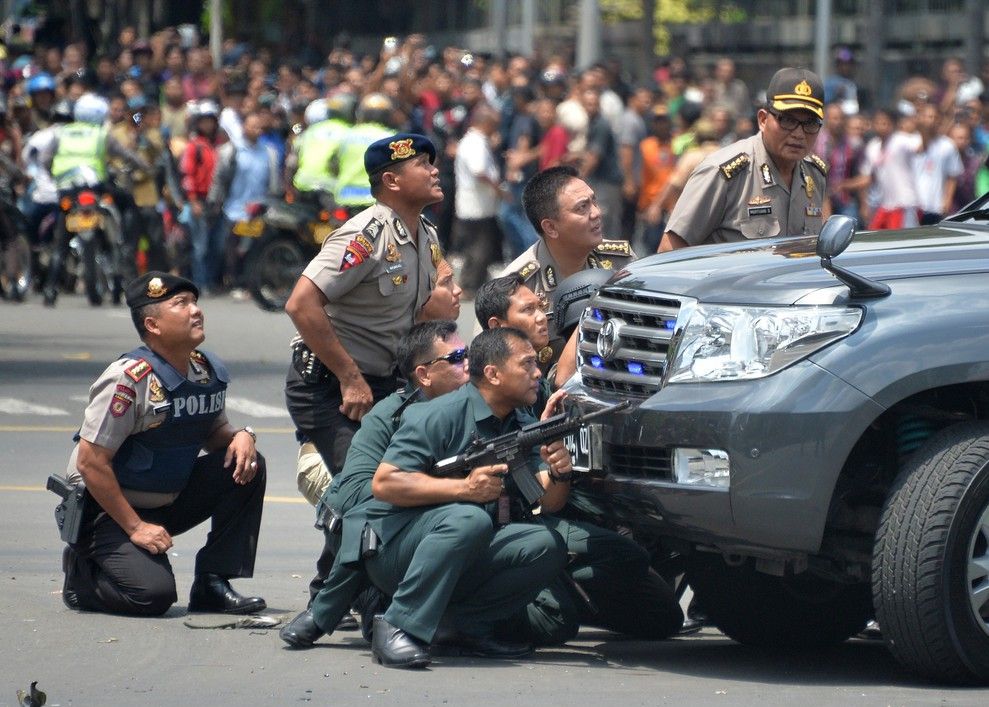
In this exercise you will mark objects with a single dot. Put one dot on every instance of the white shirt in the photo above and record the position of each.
(931, 167)
(892, 176)
(474, 198)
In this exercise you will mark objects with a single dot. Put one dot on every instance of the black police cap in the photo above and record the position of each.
(156, 286)
(796, 89)
(383, 153)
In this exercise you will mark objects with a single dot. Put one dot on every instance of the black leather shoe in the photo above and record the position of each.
(347, 623)
(302, 631)
(394, 648)
(69, 595)
(212, 593)
(456, 643)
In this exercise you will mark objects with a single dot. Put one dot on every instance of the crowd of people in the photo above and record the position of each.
(195, 146)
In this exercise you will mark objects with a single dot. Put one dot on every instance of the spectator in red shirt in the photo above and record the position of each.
(553, 146)
(197, 166)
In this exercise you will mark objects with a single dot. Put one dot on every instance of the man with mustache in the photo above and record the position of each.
(762, 186)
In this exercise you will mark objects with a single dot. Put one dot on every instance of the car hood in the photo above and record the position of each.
(785, 270)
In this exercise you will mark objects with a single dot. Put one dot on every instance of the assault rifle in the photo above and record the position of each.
(514, 448)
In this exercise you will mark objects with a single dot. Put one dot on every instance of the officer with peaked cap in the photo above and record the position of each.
(359, 297)
(762, 186)
(150, 415)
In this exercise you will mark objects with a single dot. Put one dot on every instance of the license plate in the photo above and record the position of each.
(320, 231)
(76, 222)
(584, 446)
(248, 229)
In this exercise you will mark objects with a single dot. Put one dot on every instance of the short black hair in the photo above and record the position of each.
(137, 316)
(540, 197)
(491, 348)
(417, 347)
(493, 297)
(374, 179)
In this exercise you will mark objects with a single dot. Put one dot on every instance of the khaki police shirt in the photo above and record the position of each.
(120, 406)
(542, 275)
(376, 278)
(737, 193)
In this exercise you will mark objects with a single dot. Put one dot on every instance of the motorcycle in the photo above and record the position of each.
(91, 226)
(16, 267)
(286, 235)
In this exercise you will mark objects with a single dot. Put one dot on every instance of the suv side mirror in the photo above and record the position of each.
(837, 233)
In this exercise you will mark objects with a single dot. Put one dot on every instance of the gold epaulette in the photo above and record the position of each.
(818, 162)
(138, 370)
(528, 270)
(614, 247)
(735, 165)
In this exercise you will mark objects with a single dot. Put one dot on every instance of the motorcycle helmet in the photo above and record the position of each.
(207, 108)
(341, 106)
(375, 108)
(572, 296)
(40, 82)
(316, 112)
(90, 108)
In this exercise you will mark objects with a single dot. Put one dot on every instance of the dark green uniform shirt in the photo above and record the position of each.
(353, 484)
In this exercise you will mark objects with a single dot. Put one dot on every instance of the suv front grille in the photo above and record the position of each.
(639, 462)
(645, 323)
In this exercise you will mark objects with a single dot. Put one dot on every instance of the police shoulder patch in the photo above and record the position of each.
(614, 247)
(818, 162)
(138, 370)
(528, 270)
(735, 165)
(373, 229)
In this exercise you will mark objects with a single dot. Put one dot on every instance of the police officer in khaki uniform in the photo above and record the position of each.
(565, 213)
(765, 185)
(358, 298)
(150, 414)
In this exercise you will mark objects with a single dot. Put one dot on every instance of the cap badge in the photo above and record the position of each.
(402, 149)
(545, 354)
(156, 288)
(803, 89)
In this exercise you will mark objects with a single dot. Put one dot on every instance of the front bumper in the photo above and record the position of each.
(787, 436)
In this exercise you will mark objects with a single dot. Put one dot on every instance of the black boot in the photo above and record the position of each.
(213, 593)
(302, 631)
(69, 595)
(394, 648)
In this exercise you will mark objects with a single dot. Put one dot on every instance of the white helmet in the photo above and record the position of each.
(316, 112)
(90, 108)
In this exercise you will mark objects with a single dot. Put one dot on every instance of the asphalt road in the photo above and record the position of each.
(48, 359)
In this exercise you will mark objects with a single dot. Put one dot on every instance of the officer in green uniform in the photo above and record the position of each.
(762, 186)
(433, 361)
(440, 557)
(564, 211)
(373, 117)
(327, 120)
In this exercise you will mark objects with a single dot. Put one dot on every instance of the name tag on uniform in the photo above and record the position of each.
(395, 267)
(813, 210)
(760, 210)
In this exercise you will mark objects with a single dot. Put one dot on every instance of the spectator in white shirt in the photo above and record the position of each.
(888, 156)
(936, 167)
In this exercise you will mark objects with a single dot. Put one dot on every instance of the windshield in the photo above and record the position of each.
(978, 210)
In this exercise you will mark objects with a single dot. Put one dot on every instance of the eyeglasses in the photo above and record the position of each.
(811, 126)
(453, 358)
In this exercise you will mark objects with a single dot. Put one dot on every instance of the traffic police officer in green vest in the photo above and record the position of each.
(328, 120)
(374, 114)
(80, 160)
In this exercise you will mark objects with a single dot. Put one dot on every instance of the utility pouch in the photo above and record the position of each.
(369, 543)
(306, 363)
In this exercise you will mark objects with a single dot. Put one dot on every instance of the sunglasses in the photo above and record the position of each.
(811, 126)
(454, 357)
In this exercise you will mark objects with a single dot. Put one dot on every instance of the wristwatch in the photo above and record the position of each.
(250, 430)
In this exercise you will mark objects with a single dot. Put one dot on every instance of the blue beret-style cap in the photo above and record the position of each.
(397, 148)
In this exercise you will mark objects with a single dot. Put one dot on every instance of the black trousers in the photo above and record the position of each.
(315, 410)
(110, 573)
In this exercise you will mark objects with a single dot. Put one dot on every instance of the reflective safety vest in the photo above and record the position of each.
(80, 145)
(316, 147)
(161, 459)
(353, 189)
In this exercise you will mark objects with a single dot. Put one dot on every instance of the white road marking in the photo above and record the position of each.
(13, 406)
(79, 398)
(254, 408)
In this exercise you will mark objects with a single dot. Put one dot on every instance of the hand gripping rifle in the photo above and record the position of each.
(513, 449)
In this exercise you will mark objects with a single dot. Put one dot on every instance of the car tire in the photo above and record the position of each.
(92, 271)
(763, 610)
(273, 266)
(931, 558)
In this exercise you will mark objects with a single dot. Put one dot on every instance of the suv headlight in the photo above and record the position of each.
(720, 342)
